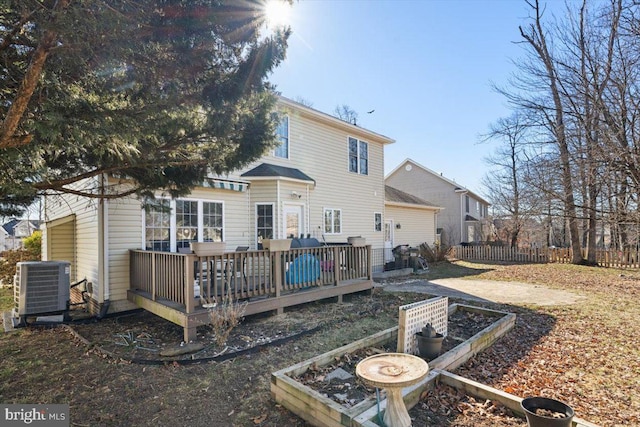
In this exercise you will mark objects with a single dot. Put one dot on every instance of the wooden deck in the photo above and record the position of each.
(174, 286)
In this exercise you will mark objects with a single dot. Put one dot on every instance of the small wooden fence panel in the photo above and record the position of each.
(604, 258)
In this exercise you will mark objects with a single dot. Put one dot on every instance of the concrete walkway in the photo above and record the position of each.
(485, 290)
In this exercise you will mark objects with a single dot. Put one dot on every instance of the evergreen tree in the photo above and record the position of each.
(155, 92)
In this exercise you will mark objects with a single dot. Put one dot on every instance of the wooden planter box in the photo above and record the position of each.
(319, 410)
(357, 241)
(208, 248)
(276, 244)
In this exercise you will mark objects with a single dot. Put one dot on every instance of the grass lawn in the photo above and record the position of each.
(6, 299)
(587, 355)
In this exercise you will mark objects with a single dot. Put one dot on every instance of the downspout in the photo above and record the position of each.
(103, 251)
(462, 215)
(279, 211)
(308, 213)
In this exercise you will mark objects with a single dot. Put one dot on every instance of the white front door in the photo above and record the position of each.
(388, 240)
(293, 225)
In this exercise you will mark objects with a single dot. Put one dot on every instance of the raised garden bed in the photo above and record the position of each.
(297, 387)
(449, 399)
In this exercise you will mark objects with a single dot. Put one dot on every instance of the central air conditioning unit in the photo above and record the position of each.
(41, 287)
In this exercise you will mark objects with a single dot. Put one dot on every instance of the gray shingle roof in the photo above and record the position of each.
(269, 170)
(394, 195)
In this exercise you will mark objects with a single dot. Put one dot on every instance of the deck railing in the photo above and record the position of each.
(187, 280)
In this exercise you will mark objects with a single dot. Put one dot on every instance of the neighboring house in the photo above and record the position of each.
(409, 220)
(12, 233)
(325, 179)
(463, 218)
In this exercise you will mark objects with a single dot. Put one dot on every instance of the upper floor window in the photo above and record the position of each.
(282, 133)
(466, 203)
(358, 156)
(332, 221)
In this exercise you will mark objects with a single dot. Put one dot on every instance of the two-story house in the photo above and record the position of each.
(12, 233)
(463, 218)
(324, 180)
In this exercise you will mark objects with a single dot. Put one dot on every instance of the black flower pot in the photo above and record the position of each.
(536, 418)
(429, 346)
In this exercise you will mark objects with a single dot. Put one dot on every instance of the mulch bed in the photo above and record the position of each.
(140, 336)
(445, 405)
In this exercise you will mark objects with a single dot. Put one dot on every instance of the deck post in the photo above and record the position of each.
(189, 293)
(277, 263)
(153, 276)
(369, 263)
(190, 332)
(336, 265)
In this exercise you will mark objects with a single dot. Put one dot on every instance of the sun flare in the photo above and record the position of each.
(277, 13)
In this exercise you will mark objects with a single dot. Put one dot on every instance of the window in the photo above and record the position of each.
(211, 222)
(175, 224)
(186, 223)
(282, 133)
(466, 203)
(377, 221)
(358, 156)
(332, 221)
(157, 230)
(264, 222)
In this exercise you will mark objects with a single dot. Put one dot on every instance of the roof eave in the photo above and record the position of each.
(333, 121)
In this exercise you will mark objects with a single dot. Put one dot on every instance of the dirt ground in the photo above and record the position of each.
(577, 354)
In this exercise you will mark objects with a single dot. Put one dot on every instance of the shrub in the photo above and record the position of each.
(439, 252)
(33, 244)
(10, 259)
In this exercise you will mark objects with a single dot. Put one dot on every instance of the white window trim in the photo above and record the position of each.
(173, 223)
(288, 140)
(381, 222)
(359, 156)
(332, 233)
(255, 223)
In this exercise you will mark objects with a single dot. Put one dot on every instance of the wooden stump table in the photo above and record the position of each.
(393, 372)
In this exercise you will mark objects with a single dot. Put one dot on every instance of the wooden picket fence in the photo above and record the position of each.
(605, 258)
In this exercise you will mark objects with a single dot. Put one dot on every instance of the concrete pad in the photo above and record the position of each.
(488, 291)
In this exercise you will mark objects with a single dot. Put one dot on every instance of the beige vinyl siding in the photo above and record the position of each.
(321, 152)
(85, 236)
(417, 225)
(425, 185)
(61, 236)
(125, 232)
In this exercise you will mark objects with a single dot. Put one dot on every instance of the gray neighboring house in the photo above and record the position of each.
(464, 214)
(12, 233)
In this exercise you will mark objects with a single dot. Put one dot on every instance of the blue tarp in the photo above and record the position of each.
(303, 269)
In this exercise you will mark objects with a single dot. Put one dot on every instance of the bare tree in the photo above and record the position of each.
(504, 182)
(346, 113)
(554, 115)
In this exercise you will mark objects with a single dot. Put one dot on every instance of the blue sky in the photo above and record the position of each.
(425, 67)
